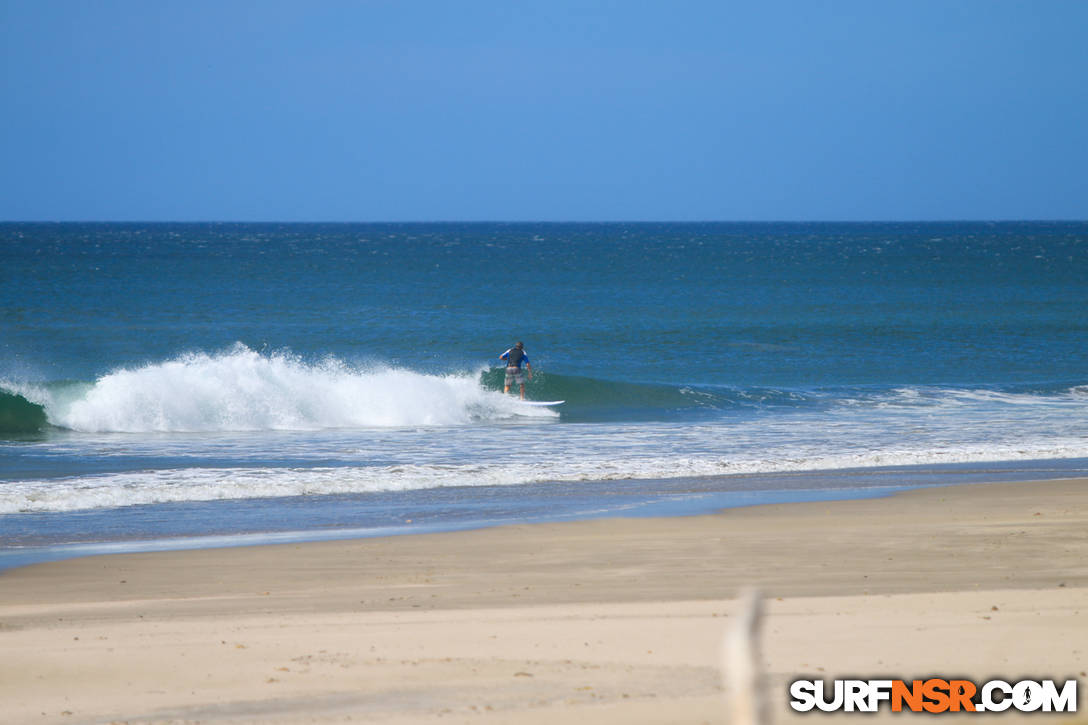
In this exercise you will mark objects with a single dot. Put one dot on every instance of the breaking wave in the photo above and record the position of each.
(243, 390)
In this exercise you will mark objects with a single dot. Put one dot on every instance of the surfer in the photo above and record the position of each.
(514, 357)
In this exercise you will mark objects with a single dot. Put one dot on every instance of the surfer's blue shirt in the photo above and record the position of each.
(516, 359)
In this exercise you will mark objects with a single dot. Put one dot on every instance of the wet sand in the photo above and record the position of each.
(610, 621)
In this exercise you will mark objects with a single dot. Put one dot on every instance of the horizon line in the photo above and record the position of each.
(964, 220)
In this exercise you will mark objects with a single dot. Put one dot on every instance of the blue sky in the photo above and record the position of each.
(224, 110)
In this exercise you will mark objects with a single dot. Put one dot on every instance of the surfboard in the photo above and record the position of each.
(541, 402)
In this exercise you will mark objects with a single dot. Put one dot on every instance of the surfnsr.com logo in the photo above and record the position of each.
(934, 695)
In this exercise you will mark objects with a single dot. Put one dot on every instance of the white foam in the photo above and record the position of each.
(212, 484)
(243, 390)
(436, 439)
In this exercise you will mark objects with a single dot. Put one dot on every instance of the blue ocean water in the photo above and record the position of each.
(183, 380)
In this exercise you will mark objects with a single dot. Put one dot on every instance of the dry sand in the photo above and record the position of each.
(608, 621)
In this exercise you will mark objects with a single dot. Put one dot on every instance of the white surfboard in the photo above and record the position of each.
(541, 402)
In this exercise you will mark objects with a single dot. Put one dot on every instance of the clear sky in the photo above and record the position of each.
(579, 110)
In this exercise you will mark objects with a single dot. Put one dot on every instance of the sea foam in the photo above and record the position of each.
(244, 390)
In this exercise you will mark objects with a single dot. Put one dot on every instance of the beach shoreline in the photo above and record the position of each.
(32, 538)
(604, 620)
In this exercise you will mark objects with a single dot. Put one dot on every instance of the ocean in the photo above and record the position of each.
(173, 385)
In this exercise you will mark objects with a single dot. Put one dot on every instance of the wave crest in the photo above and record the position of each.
(244, 390)
(20, 415)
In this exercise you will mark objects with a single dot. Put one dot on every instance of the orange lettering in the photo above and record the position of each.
(961, 692)
(911, 695)
(936, 692)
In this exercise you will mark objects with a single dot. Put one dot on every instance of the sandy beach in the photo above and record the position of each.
(606, 621)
